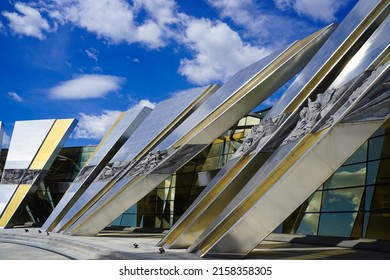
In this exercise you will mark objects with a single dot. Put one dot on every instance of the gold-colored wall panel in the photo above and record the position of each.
(51, 143)
(17, 198)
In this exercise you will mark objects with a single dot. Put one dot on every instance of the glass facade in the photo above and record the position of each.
(355, 200)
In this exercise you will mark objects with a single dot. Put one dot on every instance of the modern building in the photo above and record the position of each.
(219, 176)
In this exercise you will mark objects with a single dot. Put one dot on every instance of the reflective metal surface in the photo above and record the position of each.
(236, 99)
(121, 130)
(377, 44)
(166, 116)
(334, 44)
(222, 189)
(370, 49)
(245, 221)
(27, 137)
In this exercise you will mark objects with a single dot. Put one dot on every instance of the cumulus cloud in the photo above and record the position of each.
(92, 126)
(212, 43)
(13, 95)
(86, 86)
(116, 20)
(320, 10)
(28, 22)
(144, 103)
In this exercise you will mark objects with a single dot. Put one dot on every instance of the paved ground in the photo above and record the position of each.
(11, 251)
(16, 244)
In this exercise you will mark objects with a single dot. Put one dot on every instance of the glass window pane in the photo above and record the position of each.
(359, 156)
(381, 200)
(336, 224)
(129, 220)
(308, 225)
(210, 164)
(342, 200)
(252, 121)
(314, 202)
(372, 172)
(347, 176)
(383, 176)
(375, 148)
(378, 226)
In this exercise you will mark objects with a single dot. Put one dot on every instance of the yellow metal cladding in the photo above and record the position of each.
(17, 198)
(260, 190)
(51, 142)
(252, 84)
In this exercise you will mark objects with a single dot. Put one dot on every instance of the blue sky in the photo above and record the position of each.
(91, 59)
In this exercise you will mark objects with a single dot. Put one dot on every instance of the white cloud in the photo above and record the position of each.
(86, 86)
(15, 96)
(218, 52)
(144, 103)
(319, 10)
(116, 20)
(261, 23)
(95, 126)
(92, 53)
(161, 11)
(28, 21)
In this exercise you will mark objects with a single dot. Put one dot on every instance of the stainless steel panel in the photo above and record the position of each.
(317, 154)
(85, 197)
(164, 114)
(27, 138)
(93, 226)
(220, 97)
(320, 163)
(375, 45)
(228, 111)
(122, 130)
(346, 27)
